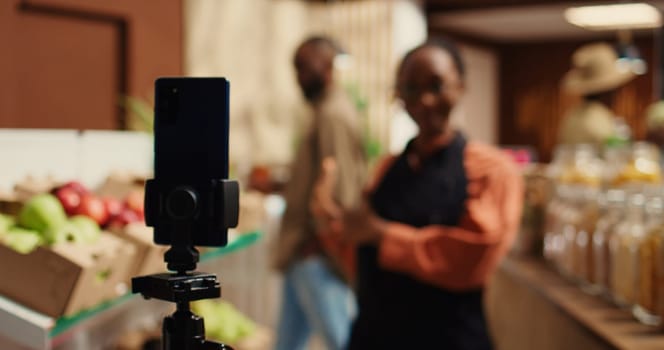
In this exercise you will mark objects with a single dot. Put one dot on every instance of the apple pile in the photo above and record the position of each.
(42, 221)
(17, 238)
(70, 213)
(109, 212)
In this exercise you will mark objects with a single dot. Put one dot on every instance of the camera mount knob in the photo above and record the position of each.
(182, 203)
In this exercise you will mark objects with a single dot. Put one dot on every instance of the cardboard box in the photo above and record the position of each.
(149, 257)
(119, 184)
(9, 203)
(31, 186)
(66, 278)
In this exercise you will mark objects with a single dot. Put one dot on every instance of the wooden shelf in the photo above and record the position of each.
(551, 312)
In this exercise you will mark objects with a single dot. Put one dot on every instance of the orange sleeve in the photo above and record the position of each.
(463, 257)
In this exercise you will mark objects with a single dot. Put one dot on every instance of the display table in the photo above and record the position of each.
(530, 306)
(26, 329)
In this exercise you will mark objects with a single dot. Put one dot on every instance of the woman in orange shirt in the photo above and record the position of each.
(438, 219)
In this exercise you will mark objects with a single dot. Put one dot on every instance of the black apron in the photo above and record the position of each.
(400, 312)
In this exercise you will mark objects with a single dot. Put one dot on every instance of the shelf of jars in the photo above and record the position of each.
(594, 220)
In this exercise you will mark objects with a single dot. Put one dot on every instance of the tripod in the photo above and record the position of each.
(182, 330)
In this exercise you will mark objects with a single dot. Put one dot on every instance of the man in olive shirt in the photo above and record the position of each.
(316, 297)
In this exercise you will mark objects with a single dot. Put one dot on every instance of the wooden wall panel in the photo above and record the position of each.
(117, 46)
(66, 75)
(532, 105)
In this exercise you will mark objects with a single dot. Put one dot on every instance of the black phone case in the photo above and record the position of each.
(191, 149)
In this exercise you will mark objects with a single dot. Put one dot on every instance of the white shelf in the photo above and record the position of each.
(24, 326)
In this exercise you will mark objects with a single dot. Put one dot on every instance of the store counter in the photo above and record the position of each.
(530, 306)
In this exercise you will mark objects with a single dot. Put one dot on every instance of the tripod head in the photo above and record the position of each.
(189, 202)
(183, 330)
(180, 207)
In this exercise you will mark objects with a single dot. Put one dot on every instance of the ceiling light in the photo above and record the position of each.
(618, 16)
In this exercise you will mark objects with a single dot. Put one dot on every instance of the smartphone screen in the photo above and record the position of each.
(191, 149)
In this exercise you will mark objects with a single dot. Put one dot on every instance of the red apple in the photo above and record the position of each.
(125, 217)
(69, 198)
(76, 186)
(94, 208)
(135, 200)
(113, 206)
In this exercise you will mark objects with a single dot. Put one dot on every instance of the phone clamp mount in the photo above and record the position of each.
(183, 330)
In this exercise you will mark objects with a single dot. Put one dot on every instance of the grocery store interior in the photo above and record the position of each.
(549, 112)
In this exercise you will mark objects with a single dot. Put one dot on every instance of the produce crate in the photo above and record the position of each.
(149, 257)
(120, 183)
(9, 203)
(66, 278)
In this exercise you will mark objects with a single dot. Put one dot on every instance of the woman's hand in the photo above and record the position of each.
(363, 226)
(357, 226)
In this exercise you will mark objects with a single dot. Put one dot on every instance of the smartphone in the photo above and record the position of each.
(190, 149)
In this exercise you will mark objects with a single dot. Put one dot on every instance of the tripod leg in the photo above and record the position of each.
(183, 330)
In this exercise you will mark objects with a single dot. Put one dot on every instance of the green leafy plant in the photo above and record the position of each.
(140, 115)
(372, 147)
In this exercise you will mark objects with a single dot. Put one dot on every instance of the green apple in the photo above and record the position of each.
(87, 230)
(79, 229)
(6, 222)
(41, 213)
(63, 233)
(22, 240)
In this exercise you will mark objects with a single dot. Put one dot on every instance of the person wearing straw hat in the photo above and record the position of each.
(595, 75)
(655, 127)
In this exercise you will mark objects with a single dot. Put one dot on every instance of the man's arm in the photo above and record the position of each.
(340, 139)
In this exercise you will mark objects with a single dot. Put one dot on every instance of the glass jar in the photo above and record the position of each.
(552, 226)
(537, 196)
(577, 170)
(565, 234)
(650, 299)
(553, 214)
(562, 159)
(570, 222)
(624, 246)
(614, 205)
(640, 167)
(616, 159)
(590, 201)
(583, 167)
